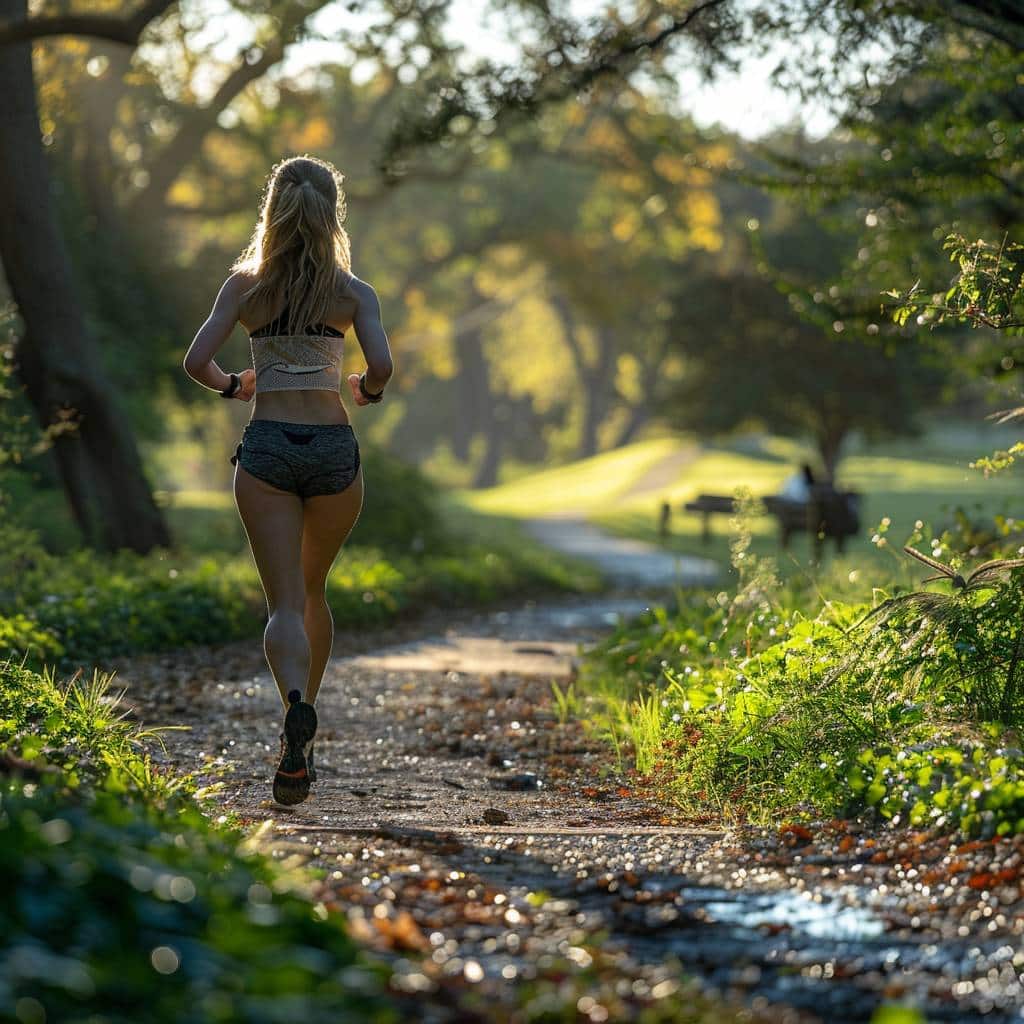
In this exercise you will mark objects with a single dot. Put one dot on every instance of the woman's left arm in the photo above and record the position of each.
(199, 363)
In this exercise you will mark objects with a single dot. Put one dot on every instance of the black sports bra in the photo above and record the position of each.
(276, 328)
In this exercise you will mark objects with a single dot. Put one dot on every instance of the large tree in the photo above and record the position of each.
(759, 340)
(57, 358)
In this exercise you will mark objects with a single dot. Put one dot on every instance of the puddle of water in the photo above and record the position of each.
(827, 919)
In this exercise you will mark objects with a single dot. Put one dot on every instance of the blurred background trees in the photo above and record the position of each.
(565, 258)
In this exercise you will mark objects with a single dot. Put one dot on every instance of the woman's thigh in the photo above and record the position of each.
(273, 521)
(327, 520)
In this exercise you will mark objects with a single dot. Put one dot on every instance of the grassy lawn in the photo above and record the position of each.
(584, 486)
(925, 479)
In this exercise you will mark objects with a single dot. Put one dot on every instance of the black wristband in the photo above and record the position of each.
(233, 385)
(369, 395)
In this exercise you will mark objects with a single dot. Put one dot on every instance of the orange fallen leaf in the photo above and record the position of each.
(402, 932)
(798, 831)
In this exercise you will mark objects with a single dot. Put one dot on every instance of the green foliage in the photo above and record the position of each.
(977, 783)
(96, 607)
(999, 460)
(985, 292)
(968, 644)
(769, 369)
(126, 903)
(84, 608)
(401, 507)
(19, 633)
(768, 701)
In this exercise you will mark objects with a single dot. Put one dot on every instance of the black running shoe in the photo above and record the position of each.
(292, 779)
(309, 764)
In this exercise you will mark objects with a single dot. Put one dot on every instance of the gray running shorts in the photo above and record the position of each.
(305, 458)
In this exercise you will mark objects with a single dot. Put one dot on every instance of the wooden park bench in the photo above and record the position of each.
(829, 513)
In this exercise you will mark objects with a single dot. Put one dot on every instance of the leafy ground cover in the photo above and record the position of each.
(126, 903)
(771, 699)
(80, 608)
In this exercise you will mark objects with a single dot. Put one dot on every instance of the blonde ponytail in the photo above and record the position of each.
(299, 242)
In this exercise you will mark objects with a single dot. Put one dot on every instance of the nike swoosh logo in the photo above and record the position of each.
(300, 368)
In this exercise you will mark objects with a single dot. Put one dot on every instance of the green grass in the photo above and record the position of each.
(905, 481)
(585, 485)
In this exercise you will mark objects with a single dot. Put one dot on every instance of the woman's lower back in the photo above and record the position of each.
(299, 406)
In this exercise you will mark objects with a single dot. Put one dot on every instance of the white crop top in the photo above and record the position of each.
(311, 360)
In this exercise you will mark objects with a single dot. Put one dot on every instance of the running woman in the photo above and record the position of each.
(298, 484)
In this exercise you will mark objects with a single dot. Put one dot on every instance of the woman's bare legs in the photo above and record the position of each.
(273, 521)
(327, 520)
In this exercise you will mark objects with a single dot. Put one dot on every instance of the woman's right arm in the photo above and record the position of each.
(199, 363)
(372, 338)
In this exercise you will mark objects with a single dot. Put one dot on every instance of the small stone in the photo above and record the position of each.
(492, 816)
(520, 781)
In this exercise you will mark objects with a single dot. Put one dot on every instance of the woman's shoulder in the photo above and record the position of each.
(241, 281)
(359, 289)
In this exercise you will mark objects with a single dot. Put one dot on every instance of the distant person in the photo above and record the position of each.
(799, 486)
(298, 484)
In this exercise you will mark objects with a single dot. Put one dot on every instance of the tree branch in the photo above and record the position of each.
(253, 63)
(523, 98)
(118, 29)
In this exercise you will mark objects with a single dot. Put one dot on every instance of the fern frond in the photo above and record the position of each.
(932, 563)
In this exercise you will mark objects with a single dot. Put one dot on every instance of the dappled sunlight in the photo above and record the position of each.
(580, 486)
(671, 649)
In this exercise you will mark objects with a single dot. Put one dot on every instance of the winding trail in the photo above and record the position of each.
(477, 839)
(627, 562)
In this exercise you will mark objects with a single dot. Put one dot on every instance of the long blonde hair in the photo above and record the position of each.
(299, 242)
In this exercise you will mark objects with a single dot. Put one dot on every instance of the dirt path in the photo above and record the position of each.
(479, 842)
(428, 732)
(627, 562)
(663, 474)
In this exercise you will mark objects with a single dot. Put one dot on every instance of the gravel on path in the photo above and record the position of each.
(504, 862)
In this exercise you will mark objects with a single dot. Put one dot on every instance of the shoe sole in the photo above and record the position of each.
(291, 780)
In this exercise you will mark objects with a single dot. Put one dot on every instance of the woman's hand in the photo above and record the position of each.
(247, 385)
(357, 395)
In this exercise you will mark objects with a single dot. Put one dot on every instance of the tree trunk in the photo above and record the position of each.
(639, 415)
(98, 463)
(495, 433)
(598, 390)
(594, 376)
(472, 388)
(830, 446)
(593, 413)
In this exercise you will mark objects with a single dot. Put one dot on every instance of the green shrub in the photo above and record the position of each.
(20, 635)
(747, 705)
(976, 783)
(401, 507)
